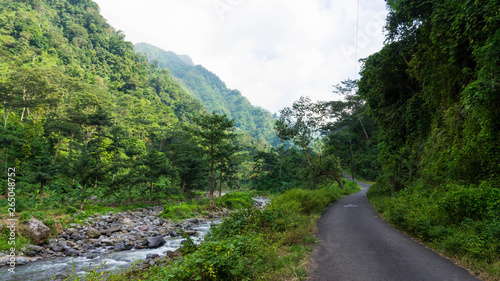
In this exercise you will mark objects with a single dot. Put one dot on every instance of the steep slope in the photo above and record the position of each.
(79, 108)
(213, 93)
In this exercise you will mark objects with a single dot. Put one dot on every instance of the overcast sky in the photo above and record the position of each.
(273, 51)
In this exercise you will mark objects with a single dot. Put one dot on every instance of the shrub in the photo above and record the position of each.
(25, 216)
(236, 200)
(41, 215)
(180, 211)
(71, 210)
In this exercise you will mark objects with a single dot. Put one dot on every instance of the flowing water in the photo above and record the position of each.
(44, 270)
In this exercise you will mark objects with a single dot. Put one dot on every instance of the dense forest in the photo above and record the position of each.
(213, 93)
(84, 115)
(433, 90)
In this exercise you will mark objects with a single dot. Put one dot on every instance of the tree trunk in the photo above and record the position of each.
(41, 193)
(220, 187)
(362, 126)
(183, 188)
(339, 181)
(352, 162)
(172, 185)
(81, 200)
(211, 192)
(57, 152)
(129, 191)
(6, 116)
(150, 191)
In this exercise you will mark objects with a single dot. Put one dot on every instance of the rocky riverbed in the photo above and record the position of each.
(139, 231)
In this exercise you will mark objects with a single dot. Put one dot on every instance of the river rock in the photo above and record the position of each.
(30, 253)
(153, 242)
(71, 252)
(172, 233)
(191, 232)
(60, 276)
(127, 222)
(123, 246)
(35, 248)
(107, 242)
(57, 248)
(21, 261)
(111, 230)
(38, 231)
(152, 256)
(143, 227)
(93, 233)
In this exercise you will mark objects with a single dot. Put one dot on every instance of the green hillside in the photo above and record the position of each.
(213, 93)
(83, 114)
(434, 91)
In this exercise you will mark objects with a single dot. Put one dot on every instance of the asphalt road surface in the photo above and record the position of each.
(357, 244)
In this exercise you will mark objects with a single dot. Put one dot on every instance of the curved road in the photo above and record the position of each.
(357, 244)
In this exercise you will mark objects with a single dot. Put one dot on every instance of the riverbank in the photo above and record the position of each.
(269, 244)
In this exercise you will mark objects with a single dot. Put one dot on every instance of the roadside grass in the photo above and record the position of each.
(461, 222)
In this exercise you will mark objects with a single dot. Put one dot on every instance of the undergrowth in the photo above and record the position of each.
(462, 222)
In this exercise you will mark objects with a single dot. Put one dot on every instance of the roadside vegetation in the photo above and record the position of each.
(433, 91)
(273, 243)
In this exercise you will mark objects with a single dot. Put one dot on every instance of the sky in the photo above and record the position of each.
(273, 51)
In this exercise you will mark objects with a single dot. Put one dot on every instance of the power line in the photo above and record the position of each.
(356, 54)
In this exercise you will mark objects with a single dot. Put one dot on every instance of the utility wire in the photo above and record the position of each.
(356, 54)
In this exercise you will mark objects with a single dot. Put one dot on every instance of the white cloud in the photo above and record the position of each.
(272, 51)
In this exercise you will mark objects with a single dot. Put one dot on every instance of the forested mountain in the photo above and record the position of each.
(213, 93)
(83, 114)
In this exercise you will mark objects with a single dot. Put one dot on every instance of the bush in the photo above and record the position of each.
(180, 211)
(473, 203)
(25, 216)
(307, 201)
(233, 258)
(41, 215)
(71, 210)
(236, 200)
(49, 222)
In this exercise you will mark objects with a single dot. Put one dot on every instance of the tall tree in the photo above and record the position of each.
(214, 132)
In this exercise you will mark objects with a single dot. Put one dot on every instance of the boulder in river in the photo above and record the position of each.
(38, 231)
(153, 242)
(123, 246)
(21, 261)
(71, 252)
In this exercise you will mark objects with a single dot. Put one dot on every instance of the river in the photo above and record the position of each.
(44, 270)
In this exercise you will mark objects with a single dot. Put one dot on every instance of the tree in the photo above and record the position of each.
(302, 123)
(299, 124)
(213, 134)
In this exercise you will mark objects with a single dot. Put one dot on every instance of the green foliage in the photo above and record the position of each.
(70, 210)
(179, 211)
(433, 90)
(25, 216)
(40, 215)
(458, 220)
(236, 200)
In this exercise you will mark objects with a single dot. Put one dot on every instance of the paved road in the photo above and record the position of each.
(356, 244)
